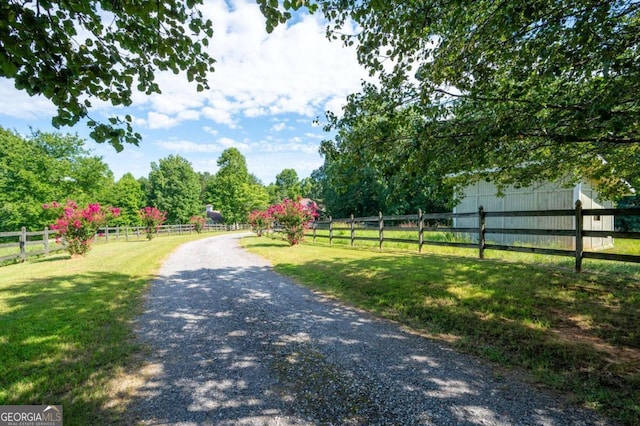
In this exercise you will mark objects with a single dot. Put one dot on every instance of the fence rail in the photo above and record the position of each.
(355, 226)
(47, 238)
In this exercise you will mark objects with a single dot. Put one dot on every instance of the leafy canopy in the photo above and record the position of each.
(77, 51)
(43, 167)
(529, 89)
(233, 190)
(174, 187)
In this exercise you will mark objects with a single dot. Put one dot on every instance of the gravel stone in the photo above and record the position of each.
(237, 344)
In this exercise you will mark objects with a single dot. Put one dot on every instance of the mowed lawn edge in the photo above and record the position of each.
(66, 327)
(577, 334)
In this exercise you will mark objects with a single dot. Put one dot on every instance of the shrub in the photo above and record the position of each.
(78, 226)
(151, 219)
(294, 218)
(260, 221)
(198, 223)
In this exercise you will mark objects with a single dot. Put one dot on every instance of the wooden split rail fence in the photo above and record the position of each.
(354, 225)
(45, 240)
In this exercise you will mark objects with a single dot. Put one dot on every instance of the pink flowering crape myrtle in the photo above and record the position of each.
(294, 217)
(152, 219)
(77, 226)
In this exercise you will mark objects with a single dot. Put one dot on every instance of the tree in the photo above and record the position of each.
(175, 189)
(288, 185)
(258, 195)
(205, 181)
(128, 195)
(78, 226)
(294, 219)
(92, 179)
(75, 51)
(532, 90)
(310, 188)
(41, 168)
(374, 163)
(232, 190)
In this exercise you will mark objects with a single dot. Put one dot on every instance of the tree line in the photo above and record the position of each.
(44, 167)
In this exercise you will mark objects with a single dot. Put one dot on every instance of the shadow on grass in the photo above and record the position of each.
(576, 333)
(63, 338)
(241, 345)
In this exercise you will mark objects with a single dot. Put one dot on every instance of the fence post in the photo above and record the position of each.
(579, 242)
(45, 240)
(330, 231)
(481, 232)
(23, 244)
(381, 228)
(353, 230)
(315, 225)
(106, 234)
(420, 230)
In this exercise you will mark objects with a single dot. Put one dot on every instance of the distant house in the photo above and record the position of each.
(213, 216)
(542, 196)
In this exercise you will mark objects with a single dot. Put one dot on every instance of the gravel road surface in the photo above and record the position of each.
(236, 344)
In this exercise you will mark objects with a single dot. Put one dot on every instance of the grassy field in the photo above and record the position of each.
(578, 334)
(621, 246)
(66, 327)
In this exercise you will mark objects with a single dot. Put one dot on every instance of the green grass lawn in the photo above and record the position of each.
(65, 326)
(576, 333)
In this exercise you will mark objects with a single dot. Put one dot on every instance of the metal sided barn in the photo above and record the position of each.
(542, 196)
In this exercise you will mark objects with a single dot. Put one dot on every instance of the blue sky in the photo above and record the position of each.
(265, 94)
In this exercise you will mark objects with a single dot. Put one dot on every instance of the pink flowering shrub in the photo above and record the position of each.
(259, 221)
(198, 223)
(294, 218)
(77, 226)
(151, 219)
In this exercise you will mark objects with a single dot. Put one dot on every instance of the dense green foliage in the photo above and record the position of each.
(174, 187)
(233, 190)
(44, 167)
(628, 223)
(129, 196)
(287, 185)
(519, 91)
(75, 51)
(373, 165)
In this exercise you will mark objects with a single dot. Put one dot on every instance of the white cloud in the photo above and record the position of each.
(267, 165)
(315, 136)
(188, 146)
(18, 104)
(278, 127)
(230, 143)
(220, 116)
(210, 130)
(292, 70)
(160, 121)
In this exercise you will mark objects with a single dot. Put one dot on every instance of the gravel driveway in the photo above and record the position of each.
(237, 344)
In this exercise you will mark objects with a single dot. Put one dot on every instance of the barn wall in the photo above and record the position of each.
(588, 195)
(546, 196)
